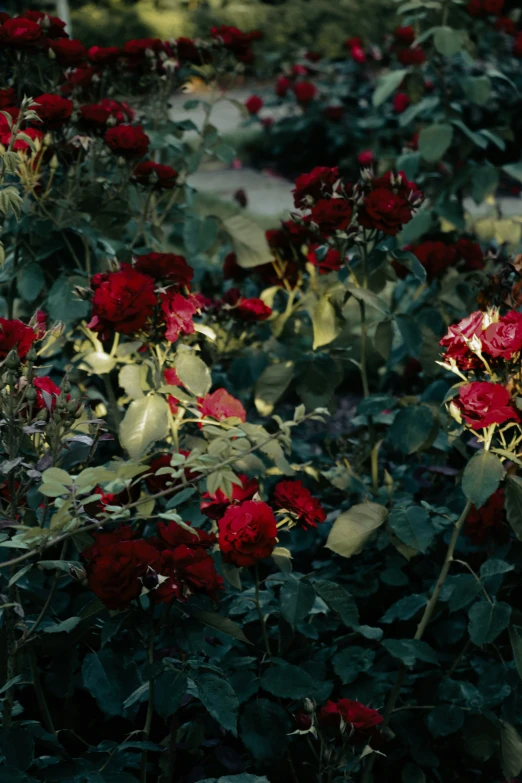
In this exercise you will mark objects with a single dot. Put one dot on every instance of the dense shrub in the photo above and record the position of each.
(260, 499)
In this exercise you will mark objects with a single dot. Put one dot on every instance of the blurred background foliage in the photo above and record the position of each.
(321, 25)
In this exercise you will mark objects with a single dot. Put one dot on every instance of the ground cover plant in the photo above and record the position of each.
(261, 508)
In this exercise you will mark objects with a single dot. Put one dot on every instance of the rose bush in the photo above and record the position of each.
(260, 492)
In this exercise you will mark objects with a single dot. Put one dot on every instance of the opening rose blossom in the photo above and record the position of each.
(247, 533)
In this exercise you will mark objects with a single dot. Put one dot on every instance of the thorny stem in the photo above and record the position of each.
(423, 624)
(150, 705)
(260, 614)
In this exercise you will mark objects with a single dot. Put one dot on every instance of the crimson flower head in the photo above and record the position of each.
(482, 404)
(294, 497)
(47, 393)
(165, 266)
(68, 51)
(15, 334)
(404, 36)
(282, 86)
(366, 158)
(330, 261)
(104, 55)
(7, 97)
(358, 54)
(389, 205)
(53, 110)
(20, 32)
(489, 520)
(214, 505)
(457, 339)
(123, 301)
(247, 533)
(117, 567)
(251, 310)
(351, 712)
(504, 338)
(494, 7)
(304, 92)
(178, 312)
(332, 214)
(315, 185)
(401, 101)
(435, 257)
(413, 56)
(221, 405)
(254, 104)
(471, 253)
(157, 175)
(129, 141)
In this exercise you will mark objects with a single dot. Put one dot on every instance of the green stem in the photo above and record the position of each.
(419, 633)
(260, 614)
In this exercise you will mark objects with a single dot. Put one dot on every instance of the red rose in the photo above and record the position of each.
(47, 392)
(457, 338)
(503, 338)
(15, 334)
(489, 520)
(52, 26)
(118, 110)
(252, 310)
(304, 92)
(254, 104)
(80, 77)
(334, 214)
(482, 404)
(353, 713)
(332, 261)
(171, 378)
(53, 110)
(129, 141)
(435, 257)
(104, 55)
(20, 32)
(189, 569)
(139, 47)
(294, 497)
(358, 54)
(117, 568)
(122, 302)
(68, 51)
(366, 158)
(232, 270)
(221, 405)
(404, 36)
(165, 266)
(159, 483)
(7, 97)
(471, 252)
(413, 56)
(38, 322)
(236, 42)
(506, 25)
(493, 6)
(188, 51)
(401, 101)
(282, 86)
(157, 175)
(214, 506)
(351, 42)
(384, 210)
(334, 113)
(315, 185)
(178, 312)
(313, 57)
(303, 720)
(475, 8)
(247, 533)
(122, 498)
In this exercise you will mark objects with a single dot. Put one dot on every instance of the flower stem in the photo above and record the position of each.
(260, 614)
(419, 633)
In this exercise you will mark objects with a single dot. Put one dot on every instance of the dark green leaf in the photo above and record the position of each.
(349, 663)
(220, 699)
(339, 600)
(405, 608)
(445, 719)
(412, 525)
(487, 621)
(482, 477)
(297, 598)
(410, 650)
(169, 688)
(263, 729)
(411, 428)
(287, 682)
